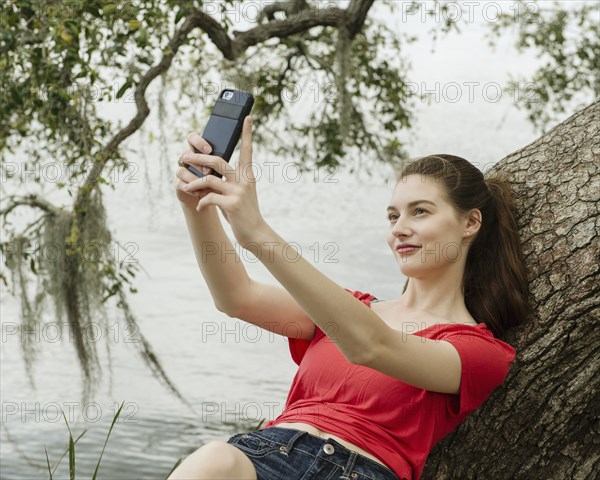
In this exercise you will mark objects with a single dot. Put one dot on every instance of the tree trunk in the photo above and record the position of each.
(542, 423)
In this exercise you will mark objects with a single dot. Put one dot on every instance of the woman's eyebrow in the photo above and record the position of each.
(412, 204)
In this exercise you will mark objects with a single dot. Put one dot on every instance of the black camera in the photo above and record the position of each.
(225, 124)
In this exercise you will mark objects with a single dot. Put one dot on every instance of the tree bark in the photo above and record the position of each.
(542, 423)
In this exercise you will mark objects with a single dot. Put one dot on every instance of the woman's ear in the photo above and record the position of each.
(474, 220)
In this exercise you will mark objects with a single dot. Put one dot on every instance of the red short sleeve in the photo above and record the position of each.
(298, 346)
(485, 361)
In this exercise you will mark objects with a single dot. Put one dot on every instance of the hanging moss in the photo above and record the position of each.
(30, 309)
(342, 77)
(78, 272)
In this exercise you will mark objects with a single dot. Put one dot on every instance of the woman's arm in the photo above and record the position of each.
(217, 258)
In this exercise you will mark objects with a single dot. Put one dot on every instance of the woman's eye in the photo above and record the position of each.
(417, 210)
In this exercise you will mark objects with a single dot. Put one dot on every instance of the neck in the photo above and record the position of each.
(438, 294)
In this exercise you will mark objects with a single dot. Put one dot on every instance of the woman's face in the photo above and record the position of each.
(433, 225)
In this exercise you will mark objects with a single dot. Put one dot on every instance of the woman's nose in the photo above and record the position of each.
(400, 228)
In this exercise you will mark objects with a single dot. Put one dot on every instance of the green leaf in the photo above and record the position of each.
(109, 9)
(124, 88)
(71, 458)
(66, 36)
(71, 450)
(48, 462)
(134, 24)
(106, 441)
(65, 452)
(179, 15)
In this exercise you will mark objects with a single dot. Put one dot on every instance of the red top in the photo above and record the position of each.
(394, 421)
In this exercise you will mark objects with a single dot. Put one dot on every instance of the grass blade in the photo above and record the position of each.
(71, 458)
(106, 441)
(64, 453)
(71, 450)
(48, 462)
(260, 423)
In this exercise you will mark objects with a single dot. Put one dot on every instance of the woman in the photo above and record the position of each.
(378, 383)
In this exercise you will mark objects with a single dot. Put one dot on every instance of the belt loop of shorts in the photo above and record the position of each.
(349, 465)
(287, 449)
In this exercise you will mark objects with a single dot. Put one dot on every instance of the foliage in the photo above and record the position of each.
(568, 40)
(565, 36)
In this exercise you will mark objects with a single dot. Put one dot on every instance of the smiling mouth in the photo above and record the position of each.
(406, 249)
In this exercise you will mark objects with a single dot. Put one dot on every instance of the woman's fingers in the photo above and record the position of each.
(179, 186)
(198, 156)
(187, 176)
(211, 182)
(196, 141)
(198, 144)
(183, 176)
(212, 161)
(198, 188)
(192, 176)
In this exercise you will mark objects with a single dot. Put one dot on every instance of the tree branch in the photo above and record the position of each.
(357, 14)
(31, 200)
(289, 7)
(353, 17)
(179, 38)
(300, 22)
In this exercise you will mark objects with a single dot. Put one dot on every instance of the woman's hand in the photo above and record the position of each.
(235, 193)
(183, 176)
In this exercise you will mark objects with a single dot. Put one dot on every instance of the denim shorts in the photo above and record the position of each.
(290, 454)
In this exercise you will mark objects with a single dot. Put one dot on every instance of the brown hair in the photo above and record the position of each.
(495, 282)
